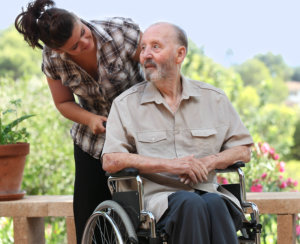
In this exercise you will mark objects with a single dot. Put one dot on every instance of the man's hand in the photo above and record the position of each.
(189, 169)
(96, 124)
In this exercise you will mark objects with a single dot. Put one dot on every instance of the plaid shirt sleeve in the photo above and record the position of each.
(130, 33)
(49, 67)
(131, 36)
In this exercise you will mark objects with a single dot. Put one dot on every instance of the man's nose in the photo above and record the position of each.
(146, 53)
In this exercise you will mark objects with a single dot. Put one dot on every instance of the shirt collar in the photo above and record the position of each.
(101, 35)
(152, 94)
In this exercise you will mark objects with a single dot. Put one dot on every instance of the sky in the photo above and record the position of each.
(229, 31)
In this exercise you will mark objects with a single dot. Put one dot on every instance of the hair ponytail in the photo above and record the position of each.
(27, 22)
(42, 22)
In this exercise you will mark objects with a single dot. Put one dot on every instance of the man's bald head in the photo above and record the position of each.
(179, 33)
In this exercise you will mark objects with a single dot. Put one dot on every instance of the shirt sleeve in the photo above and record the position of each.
(48, 67)
(237, 134)
(116, 138)
(131, 32)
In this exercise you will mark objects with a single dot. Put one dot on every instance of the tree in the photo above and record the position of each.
(255, 73)
(296, 74)
(197, 66)
(17, 59)
(276, 65)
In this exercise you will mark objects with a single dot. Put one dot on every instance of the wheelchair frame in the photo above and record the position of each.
(138, 216)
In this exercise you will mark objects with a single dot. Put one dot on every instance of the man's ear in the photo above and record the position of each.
(181, 53)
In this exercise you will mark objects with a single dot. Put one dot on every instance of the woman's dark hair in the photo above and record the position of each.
(43, 22)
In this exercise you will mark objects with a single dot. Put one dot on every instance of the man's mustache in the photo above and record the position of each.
(149, 62)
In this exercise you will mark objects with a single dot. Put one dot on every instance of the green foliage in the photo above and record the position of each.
(6, 235)
(199, 67)
(276, 65)
(49, 168)
(296, 74)
(9, 131)
(274, 122)
(257, 91)
(55, 230)
(17, 59)
(266, 172)
(255, 73)
(295, 150)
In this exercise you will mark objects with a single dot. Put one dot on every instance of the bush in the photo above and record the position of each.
(49, 168)
(266, 173)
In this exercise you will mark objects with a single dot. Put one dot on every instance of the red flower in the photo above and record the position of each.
(256, 188)
(275, 156)
(281, 166)
(298, 230)
(265, 148)
(264, 175)
(283, 185)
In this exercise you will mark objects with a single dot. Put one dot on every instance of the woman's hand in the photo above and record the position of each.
(96, 124)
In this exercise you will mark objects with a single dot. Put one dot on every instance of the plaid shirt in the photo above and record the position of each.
(117, 41)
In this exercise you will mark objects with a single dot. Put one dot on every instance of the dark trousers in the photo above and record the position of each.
(90, 188)
(198, 219)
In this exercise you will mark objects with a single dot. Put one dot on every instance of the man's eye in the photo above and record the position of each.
(82, 31)
(155, 46)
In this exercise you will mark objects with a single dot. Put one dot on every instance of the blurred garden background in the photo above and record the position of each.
(264, 90)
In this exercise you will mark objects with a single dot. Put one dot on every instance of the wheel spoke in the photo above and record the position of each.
(108, 225)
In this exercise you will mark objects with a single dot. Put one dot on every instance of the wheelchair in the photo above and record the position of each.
(124, 220)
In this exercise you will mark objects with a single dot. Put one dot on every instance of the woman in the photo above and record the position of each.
(96, 61)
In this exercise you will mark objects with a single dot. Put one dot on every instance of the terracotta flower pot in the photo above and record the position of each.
(12, 163)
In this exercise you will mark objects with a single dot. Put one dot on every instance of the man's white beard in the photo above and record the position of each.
(159, 73)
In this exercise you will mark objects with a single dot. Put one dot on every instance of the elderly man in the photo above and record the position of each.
(177, 131)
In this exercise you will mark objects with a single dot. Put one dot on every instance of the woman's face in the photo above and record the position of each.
(80, 42)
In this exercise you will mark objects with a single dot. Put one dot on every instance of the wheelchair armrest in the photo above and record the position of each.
(232, 167)
(124, 172)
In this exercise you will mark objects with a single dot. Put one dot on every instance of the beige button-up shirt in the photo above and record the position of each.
(205, 123)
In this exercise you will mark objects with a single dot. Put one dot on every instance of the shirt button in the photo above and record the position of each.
(153, 139)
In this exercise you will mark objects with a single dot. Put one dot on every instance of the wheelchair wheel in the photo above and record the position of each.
(109, 224)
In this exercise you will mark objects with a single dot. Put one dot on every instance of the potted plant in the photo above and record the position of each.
(13, 151)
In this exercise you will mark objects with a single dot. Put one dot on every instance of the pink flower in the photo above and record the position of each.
(289, 181)
(295, 183)
(224, 181)
(298, 230)
(265, 148)
(255, 181)
(272, 151)
(275, 156)
(264, 175)
(256, 188)
(283, 185)
(281, 166)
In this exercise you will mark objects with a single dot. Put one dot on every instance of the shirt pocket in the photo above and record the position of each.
(152, 143)
(206, 140)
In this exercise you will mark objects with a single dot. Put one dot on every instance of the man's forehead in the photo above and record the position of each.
(158, 31)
